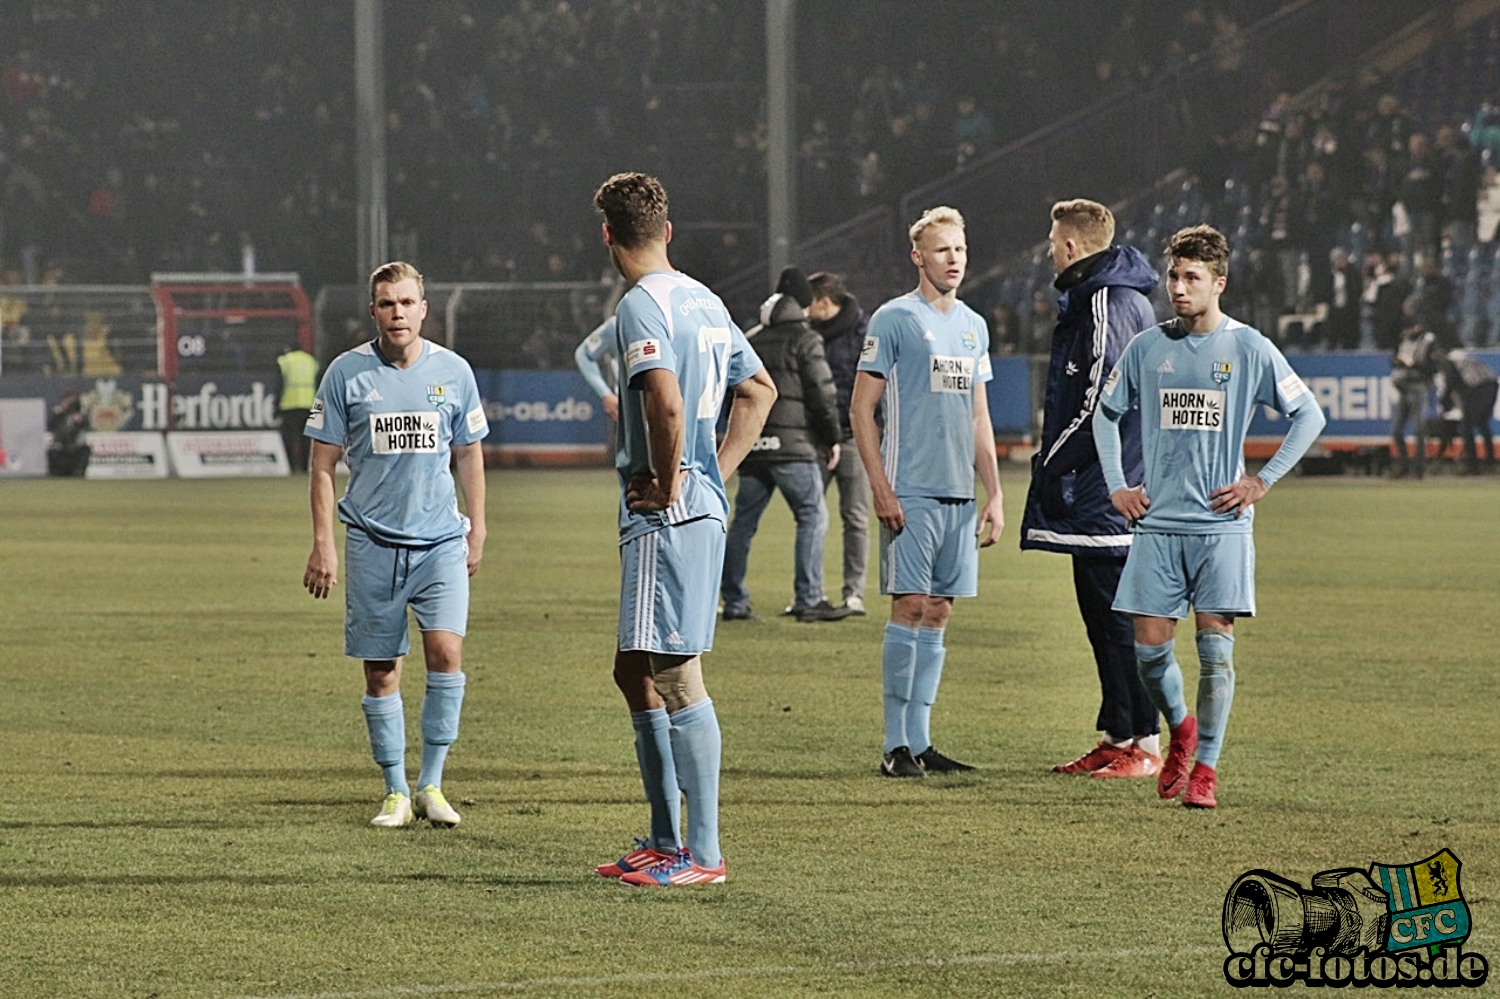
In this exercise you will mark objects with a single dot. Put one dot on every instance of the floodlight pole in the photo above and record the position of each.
(369, 135)
(781, 154)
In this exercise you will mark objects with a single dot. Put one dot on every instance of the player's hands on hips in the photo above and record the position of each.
(1132, 503)
(1239, 495)
(991, 523)
(645, 493)
(322, 572)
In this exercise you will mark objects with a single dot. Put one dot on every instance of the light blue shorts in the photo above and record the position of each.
(381, 581)
(936, 553)
(1165, 573)
(669, 588)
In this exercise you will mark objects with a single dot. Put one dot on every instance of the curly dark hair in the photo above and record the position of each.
(1204, 244)
(634, 206)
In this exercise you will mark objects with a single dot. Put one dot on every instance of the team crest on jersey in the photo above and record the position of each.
(436, 394)
(1221, 371)
(971, 342)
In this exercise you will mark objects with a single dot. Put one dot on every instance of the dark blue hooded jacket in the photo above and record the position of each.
(1102, 308)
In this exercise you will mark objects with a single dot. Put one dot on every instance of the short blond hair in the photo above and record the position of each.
(935, 218)
(1093, 222)
(391, 273)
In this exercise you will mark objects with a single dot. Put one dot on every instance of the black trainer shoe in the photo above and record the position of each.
(899, 763)
(740, 614)
(933, 761)
(824, 611)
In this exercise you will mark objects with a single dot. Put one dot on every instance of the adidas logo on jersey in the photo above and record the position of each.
(928, 336)
(1166, 368)
(374, 396)
(1071, 369)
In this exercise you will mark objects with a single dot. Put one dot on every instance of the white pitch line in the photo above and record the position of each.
(765, 971)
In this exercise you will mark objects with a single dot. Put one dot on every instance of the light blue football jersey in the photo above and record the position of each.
(1197, 393)
(931, 363)
(668, 320)
(397, 427)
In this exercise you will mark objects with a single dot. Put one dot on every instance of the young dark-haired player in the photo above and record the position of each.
(1197, 380)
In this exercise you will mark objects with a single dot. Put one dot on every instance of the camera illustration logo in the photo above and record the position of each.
(1401, 925)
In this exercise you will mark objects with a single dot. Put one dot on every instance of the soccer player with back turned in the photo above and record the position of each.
(679, 354)
(398, 409)
(927, 354)
(1197, 380)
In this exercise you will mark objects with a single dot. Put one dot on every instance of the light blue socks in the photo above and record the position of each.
(696, 751)
(898, 665)
(1215, 692)
(1162, 678)
(441, 707)
(927, 673)
(653, 751)
(387, 723)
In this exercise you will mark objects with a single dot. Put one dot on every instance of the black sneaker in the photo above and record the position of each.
(824, 611)
(932, 761)
(899, 763)
(740, 614)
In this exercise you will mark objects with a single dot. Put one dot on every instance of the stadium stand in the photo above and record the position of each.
(172, 135)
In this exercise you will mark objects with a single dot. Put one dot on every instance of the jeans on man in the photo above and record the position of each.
(801, 482)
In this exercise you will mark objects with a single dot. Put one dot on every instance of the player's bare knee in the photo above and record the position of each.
(678, 680)
(906, 609)
(935, 611)
(443, 651)
(632, 672)
(382, 676)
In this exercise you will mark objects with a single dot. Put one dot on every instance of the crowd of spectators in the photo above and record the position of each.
(175, 135)
(1372, 198)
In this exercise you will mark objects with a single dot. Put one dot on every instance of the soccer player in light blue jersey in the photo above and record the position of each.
(600, 366)
(680, 354)
(398, 409)
(1197, 380)
(927, 355)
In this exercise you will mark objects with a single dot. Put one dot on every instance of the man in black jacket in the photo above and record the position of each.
(800, 438)
(1068, 509)
(836, 315)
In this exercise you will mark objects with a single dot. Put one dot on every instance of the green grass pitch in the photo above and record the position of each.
(187, 784)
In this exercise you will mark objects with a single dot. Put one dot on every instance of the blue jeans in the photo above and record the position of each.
(801, 482)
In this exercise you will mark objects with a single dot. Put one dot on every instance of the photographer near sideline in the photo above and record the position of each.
(1468, 386)
(68, 452)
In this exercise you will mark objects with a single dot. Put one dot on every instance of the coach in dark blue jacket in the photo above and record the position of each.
(1102, 307)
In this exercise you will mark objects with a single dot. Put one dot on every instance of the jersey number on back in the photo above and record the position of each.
(713, 341)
